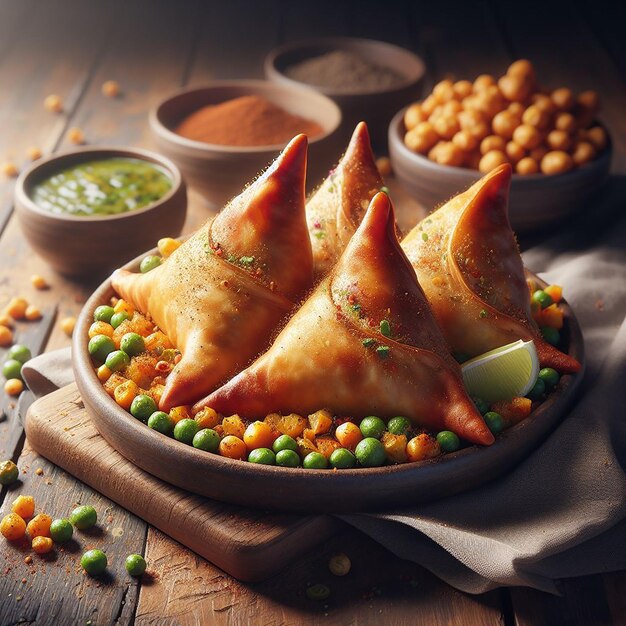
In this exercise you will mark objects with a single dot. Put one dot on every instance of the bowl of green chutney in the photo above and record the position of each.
(89, 210)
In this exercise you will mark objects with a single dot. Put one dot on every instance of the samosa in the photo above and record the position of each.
(336, 209)
(364, 343)
(220, 295)
(467, 261)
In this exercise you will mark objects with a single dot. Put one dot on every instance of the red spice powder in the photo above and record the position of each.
(245, 121)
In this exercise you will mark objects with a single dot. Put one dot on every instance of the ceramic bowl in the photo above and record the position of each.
(296, 489)
(219, 172)
(535, 201)
(94, 245)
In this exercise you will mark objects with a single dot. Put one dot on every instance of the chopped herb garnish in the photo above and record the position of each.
(331, 187)
(424, 236)
(369, 342)
(483, 313)
(246, 260)
(385, 328)
(383, 351)
(320, 235)
(385, 190)
(356, 307)
(231, 258)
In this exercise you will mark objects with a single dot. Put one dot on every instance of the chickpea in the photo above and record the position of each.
(589, 100)
(32, 313)
(436, 114)
(53, 103)
(527, 166)
(480, 131)
(452, 108)
(443, 91)
(467, 119)
(598, 138)
(447, 153)
(110, 88)
(6, 336)
(483, 81)
(566, 122)
(516, 88)
(517, 109)
(465, 140)
(9, 169)
(446, 126)
(33, 153)
(514, 151)
(17, 308)
(504, 123)
(38, 282)
(492, 142)
(6, 320)
(523, 68)
(13, 387)
(544, 102)
(491, 160)
(583, 153)
(462, 89)
(489, 104)
(429, 104)
(414, 115)
(558, 140)
(563, 98)
(76, 135)
(538, 153)
(67, 325)
(556, 162)
(535, 116)
(527, 136)
(422, 138)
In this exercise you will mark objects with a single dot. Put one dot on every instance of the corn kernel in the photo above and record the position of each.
(207, 418)
(125, 393)
(38, 282)
(179, 413)
(110, 88)
(32, 313)
(122, 306)
(53, 103)
(6, 336)
(167, 245)
(76, 136)
(13, 387)
(67, 325)
(16, 308)
(10, 169)
(104, 373)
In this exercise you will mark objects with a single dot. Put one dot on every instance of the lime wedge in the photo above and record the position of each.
(503, 373)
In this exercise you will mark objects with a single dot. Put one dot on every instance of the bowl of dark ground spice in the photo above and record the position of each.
(222, 135)
(369, 80)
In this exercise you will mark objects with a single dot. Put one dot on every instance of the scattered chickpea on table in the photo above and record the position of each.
(484, 124)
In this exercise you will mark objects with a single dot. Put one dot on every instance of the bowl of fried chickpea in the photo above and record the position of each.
(559, 152)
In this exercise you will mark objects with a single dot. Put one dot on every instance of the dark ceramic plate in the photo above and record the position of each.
(313, 490)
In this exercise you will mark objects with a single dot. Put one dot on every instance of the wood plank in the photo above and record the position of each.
(380, 588)
(54, 590)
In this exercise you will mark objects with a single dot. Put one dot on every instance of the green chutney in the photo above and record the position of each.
(103, 187)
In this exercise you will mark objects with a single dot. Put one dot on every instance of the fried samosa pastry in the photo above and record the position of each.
(222, 292)
(336, 209)
(365, 342)
(467, 261)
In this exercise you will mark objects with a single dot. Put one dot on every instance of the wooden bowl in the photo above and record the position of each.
(297, 489)
(536, 200)
(376, 107)
(94, 245)
(219, 172)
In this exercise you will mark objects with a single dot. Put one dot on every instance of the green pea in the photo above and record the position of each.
(9, 473)
(481, 405)
(287, 458)
(398, 425)
(494, 422)
(318, 592)
(135, 564)
(118, 318)
(143, 406)
(284, 442)
(314, 460)
(12, 369)
(370, 452)
(132, 344)
(372, 426)
(100, 346)
(543, 298)
(551, 335)
(94, 562)
(19, 352)
(537, 391)
(84, 517)
(103, 313)
(186, 430)
(341, 458)
(550, 377)
(263, 456)
(117, 360)
(448, 441)
(206, 439)
(149, 262)
(61, 530)
(162, 423)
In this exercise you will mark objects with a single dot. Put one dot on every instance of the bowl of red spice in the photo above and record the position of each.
(224, 134)
(369, 80)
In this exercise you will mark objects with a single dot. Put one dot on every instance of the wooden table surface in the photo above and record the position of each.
(155, 47)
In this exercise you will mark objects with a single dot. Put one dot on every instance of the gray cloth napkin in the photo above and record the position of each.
(562, 511)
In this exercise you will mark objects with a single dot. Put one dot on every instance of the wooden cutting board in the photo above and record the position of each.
(248, 544)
